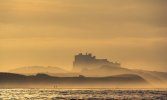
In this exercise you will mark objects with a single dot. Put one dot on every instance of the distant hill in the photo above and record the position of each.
(156, 78)
(38, 69)
(10, 80)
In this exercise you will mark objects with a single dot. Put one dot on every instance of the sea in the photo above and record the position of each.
(83, 94)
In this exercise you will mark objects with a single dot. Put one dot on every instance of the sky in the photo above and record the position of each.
(51, 32)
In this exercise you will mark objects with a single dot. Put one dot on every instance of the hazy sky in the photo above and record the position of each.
(51, 32)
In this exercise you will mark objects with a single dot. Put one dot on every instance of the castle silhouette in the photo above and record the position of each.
(88, 61)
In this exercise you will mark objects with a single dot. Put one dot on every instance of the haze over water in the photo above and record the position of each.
(39, 41)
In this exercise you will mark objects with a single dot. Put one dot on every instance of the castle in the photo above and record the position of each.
(88, 61)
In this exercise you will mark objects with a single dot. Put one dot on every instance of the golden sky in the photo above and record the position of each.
(51, 32)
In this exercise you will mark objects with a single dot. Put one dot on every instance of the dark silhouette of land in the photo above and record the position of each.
(16, 80)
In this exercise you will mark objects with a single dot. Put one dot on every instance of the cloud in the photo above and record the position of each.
(89, 16)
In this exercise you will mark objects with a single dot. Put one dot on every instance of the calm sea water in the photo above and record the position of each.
(83, 94)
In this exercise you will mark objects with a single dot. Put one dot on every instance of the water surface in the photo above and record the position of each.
(83, 94)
